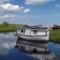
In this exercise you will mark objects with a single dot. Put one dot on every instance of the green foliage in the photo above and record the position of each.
(55, 36)
(5, 23)
(9, 27)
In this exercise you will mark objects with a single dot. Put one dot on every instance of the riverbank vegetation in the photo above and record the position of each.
(55, 35)
(6, 27)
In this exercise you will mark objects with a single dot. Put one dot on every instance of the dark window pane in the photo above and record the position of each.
(22, 31)
(35, 31)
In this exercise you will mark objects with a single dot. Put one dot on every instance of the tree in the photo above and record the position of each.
(5, 23)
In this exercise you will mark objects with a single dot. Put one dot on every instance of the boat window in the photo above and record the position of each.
(35, 31)
(34, 50)
(22, 31)
(43, 32)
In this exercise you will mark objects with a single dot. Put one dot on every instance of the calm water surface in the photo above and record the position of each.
(9, 52)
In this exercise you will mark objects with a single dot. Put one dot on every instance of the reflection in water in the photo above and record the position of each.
(55, 48)
(8, 52)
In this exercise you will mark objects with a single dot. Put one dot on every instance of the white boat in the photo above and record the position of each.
(33, 37)
(33, 33)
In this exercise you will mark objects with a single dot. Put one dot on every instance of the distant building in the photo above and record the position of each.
(33, 38)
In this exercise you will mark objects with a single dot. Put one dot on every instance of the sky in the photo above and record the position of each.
(31, 12)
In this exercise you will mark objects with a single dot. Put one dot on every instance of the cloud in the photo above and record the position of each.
(58, 5)
(11, 12)
(37, 1)
(26, 11)
(7, 16)
(10, 8)
(4, 1)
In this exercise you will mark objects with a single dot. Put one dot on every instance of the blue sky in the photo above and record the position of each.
(31, 12)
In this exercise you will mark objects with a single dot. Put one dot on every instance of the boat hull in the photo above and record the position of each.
(38, 38)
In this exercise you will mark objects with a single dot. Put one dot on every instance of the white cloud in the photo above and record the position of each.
(37, 1)
(8, 12)
(11, 17)
(58, 5)
(26, 10)
(7, 16)
(10, 8)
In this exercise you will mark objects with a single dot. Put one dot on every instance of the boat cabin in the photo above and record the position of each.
(34, 31)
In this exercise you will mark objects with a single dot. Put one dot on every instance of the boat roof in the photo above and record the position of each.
(33, 27)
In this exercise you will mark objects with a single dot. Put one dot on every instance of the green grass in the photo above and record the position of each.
(9, 28)
(55, 36)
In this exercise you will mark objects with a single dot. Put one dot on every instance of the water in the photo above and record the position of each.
(9, 52)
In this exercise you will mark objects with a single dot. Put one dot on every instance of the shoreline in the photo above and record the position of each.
(53, 37)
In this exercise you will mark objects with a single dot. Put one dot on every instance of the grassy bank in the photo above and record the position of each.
(9, 28)
(55, 36)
